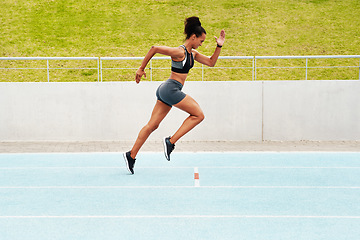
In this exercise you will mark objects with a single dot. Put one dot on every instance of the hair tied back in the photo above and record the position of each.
(193, 26)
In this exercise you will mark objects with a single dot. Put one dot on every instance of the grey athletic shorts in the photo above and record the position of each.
(169, 92)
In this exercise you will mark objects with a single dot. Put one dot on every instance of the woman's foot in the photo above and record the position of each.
(129, 162)
(168, 147)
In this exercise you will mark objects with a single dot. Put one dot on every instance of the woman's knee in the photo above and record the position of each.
(199, 116)
(152, 126)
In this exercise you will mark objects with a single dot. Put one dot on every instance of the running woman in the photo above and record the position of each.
(169, 92)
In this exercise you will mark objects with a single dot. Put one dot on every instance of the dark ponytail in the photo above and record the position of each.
(193, 26)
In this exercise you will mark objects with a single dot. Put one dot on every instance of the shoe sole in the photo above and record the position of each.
(165, 149)
(127, 163)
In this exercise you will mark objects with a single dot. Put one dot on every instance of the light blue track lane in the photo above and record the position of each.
(180, 201)
(241, 196)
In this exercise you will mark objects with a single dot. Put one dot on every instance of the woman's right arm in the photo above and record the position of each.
(174, 53)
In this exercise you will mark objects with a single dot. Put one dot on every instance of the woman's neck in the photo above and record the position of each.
(188, 45)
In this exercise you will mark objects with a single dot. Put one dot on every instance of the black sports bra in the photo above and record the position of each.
(185, 65)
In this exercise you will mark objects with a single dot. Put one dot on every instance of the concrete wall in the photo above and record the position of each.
(237, 111)
(312, 110)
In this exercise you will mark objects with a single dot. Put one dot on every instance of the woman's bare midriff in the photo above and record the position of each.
(180, 77)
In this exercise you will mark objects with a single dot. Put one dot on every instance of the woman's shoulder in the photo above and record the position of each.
(194, 52)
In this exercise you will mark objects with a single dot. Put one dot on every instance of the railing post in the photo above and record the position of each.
(101, 75)
(150, 70)
(306, 69)
(253, 62)
(47, 67)
(254, 68)
(98, 68)
(202, 72)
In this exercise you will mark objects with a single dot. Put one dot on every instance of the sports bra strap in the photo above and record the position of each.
(185, 65)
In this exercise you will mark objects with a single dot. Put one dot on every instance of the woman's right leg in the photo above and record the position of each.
(158, 114)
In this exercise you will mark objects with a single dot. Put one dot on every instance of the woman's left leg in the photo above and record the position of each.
(158, 114)
(189, 105)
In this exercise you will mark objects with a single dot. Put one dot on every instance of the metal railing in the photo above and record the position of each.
(151, 68)
(306, 67)
(254, 61)
(47, 59)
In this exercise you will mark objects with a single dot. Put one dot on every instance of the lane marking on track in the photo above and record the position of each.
(166, 187)
(180, 216)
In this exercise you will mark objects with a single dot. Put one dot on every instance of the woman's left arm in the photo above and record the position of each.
(211, 61)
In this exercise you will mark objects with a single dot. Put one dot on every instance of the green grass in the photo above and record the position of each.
(67, 28)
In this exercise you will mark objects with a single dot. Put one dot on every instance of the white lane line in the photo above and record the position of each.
(280, 167)
(220, 167)
(166, 187)
(179, 216)
(51, 168)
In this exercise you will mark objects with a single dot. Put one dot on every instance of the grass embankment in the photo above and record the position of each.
(67, 28)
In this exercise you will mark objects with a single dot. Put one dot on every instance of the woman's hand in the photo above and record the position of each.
(220, 41)
(139, 73)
